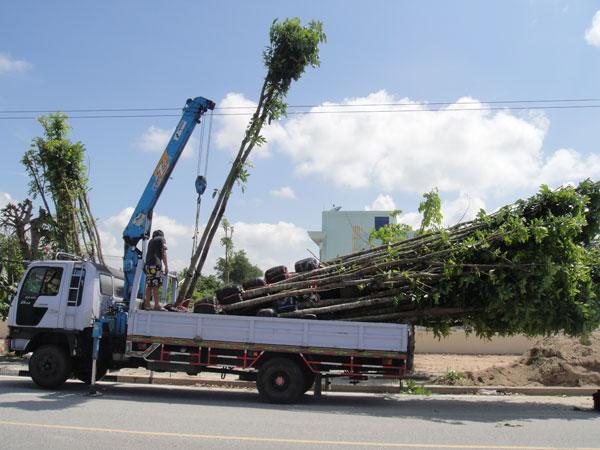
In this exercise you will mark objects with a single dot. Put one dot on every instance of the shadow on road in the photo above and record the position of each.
(435, 408)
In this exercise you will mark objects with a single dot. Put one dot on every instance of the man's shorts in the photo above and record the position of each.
(153, 276)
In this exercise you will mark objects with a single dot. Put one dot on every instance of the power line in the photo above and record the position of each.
(380, 111)
(437, 103)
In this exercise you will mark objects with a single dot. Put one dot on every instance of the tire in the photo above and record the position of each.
(50, 366)
(280, 380)
(275, 274)
(253, 283)
(306, 265)
(229, 295)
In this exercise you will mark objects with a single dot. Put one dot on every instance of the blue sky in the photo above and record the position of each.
(70, 55)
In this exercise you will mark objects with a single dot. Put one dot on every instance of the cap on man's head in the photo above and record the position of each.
(158, 233)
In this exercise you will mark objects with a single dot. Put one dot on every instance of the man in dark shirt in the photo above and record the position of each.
(156, 255)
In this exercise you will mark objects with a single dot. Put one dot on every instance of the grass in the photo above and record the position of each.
(452, 377)
(412, 388)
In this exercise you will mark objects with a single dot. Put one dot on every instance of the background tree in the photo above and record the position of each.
(206, 287)
(292, 48)
(239, 268)
(58, 177)
(227, 242)
(31, 233)
(12, 266)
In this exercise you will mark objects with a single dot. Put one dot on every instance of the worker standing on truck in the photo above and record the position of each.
(155, 257)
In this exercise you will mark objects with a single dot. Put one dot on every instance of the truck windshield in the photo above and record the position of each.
(42, 281)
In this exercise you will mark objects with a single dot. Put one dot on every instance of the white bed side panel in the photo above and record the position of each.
(270, 330)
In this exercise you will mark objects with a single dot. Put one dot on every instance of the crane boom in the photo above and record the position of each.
(140, 223)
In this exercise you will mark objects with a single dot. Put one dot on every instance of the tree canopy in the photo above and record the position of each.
(239, 268)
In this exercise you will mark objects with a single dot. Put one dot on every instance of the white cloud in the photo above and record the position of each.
(383, 202)
(486, 152)
(263, 242)
(232, 126)
(465, 207)
(566, 165)
(272, 244)
(12, 65)
(155, 139)
(283, 192)
(5, 199)
(413, 219)
(179, 237)
(592, 34)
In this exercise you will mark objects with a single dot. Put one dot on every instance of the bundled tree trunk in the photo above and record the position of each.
(532, 267)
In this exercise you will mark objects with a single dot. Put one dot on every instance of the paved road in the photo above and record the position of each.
(143, 417)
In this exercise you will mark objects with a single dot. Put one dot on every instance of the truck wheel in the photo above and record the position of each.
(50, 366)
(280, 380)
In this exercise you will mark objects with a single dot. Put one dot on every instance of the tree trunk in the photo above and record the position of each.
(199, 257)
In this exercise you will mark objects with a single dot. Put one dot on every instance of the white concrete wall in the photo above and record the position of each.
(458, 342)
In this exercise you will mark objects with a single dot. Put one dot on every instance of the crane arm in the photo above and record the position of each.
(140, 223)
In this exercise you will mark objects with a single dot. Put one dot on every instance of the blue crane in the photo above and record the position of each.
(140, 223)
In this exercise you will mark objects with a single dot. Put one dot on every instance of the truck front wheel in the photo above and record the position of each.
(280, 380)
(50, 366)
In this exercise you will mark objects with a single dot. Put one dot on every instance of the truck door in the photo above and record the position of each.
(38, 304)
(73, 317)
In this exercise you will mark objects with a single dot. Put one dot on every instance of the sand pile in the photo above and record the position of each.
(553, 361)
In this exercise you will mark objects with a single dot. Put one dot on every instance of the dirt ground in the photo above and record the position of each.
(439, 364)
(553, 361)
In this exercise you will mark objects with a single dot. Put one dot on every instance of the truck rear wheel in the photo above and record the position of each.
(50, 366)
(281, 380)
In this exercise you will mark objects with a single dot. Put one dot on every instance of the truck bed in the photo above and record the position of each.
(270, 331)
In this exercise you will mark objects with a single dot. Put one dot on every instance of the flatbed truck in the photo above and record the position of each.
(59, 303)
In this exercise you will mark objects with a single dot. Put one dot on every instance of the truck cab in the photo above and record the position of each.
(56, 304)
